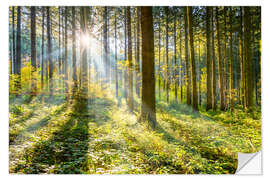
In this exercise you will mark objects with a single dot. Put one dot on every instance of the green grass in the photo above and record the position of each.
(104, 138)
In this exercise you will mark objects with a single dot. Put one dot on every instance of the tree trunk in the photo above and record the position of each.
(59, 41)
(221, 88)
(33, 48)
(13, 42)
(148, 109)
(192, 59)
(49, 50)
(115, 52)
(167, 53)
(138, 54)
(175, 63)
(188, 84)
(105, 43)
(42, 47)
(208, 54)
(214, 103)
(231, 66)
(248, 59)
(225, 58)
(125, 58)
(130, 65)
(181, 63)
(159, 49)
(18, 50)
(74, 66)
(66, 53)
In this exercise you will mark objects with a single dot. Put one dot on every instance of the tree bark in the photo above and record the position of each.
(192, 59)
(214, 103)
(33, 48)
(148, 109)
(221, 88)
(208, 56)
(130, 64)
(18, 49)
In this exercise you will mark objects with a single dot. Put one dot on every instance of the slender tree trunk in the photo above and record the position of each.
(105, 43)
(248, 59)
(33, 49)
(208, 54)
(175, 63)
(221, 88)
(167, 53)
(181, 63)
(115, 52)
(200, 98)
(188, 84)
(125, 59)
(192, 59)
(159, 49)
(225, 59)
(130, 65)
(74, 66)
(148, 109)
(231, 66)
(49, 50)
(42, 48)
(18, 50)
(59, 41)
(66, 54)
(138, 54)
(13, 42)
(83, 50)
(214, 103)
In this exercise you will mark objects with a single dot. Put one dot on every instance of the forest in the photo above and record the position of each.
(133, 90)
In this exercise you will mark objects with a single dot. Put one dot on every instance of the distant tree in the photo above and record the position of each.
(18, 49)
(33, 47)
(208, 54)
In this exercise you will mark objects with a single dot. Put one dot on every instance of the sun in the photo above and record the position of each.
(85, 40)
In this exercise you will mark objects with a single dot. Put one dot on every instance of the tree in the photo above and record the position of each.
(214, 103)
(33, 46)
(187, 59)
(74, 66)
(18, 49)
(138, 54)
(167, 53)
(115, 52)
(221, 88)
(49, 49)
(248, 59)
(231, 64)
(42, 47)
(148, 109)
(208, 60)
(175, 62)
(192, 59)
(130, 65)
(13, 42)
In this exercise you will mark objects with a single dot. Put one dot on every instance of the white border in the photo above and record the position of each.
(4, 78)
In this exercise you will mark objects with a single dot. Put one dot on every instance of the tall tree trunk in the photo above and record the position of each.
(83, 49)
(181, 63)
(208, 56)
(105, 43)
(49, 50)
(242, 60)
(138, 54)
(221, 88)
(148, 109)
(42, 47)
(65, 64)
(59, 41)
(159, 49)
(167, 53)
(188, 84)
(225, 59)
(130, 65)
(18, 50)
(231, 65)
(175, 63)
(248, 59)
(74, 66)
(192, 59)
(200, 97)
(214, 103)
(115, 52)
(13, 42)
(125, 59)
(33, 49)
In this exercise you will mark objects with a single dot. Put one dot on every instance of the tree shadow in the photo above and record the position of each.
(65, 152)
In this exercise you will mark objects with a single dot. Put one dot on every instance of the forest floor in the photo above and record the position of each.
(48, 136)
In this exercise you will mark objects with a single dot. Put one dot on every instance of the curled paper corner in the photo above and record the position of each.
(249, 163)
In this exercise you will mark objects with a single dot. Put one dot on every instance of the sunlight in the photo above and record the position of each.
(85, 40)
